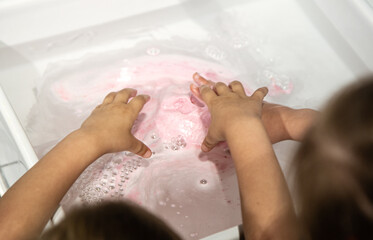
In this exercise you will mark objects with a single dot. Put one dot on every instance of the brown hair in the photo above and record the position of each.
(110, 221)
(334, 168)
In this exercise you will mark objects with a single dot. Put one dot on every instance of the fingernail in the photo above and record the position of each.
(196, 76)
(147, 154)
(204, 148)
(147, 97)
(196, 101)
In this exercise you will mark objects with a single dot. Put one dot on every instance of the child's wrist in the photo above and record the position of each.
(236, 126)
(301, 121)
(89, 142)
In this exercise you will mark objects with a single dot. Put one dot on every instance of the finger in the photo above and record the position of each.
(138, 102)
(207, 94)
(124, 95)
(195, 91)
(195, 98)
(238, 88)
(109, 98)
(139, 148)
(208, 143)
(260, 93)
(221, 88)
(201, 80)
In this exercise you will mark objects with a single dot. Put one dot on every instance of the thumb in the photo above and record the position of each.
(209, 143)
(139, 148)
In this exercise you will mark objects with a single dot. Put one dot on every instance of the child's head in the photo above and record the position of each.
(110, 221)
(334, 178)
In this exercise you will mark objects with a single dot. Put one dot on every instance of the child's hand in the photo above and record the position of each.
(229, 108)
(280, 122)
(111, 122)
(266, 205)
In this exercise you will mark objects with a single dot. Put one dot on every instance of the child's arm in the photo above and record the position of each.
(28, 205)
(280, 122)
(284, 123)
(267, 208)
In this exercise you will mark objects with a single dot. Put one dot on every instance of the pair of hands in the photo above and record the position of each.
(111, 122)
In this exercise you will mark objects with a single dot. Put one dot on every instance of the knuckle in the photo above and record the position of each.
(220, 85)
(259, 94)
(130, 111)
(111, 94)
(236, 84)
(263, 91)
(131, 114)
(204, 89)
(123, 92)
(138, 148)
(142, 99)
(208, 142)
(210, 83)
(142, 151)
(138, 101)
(117, 108)
(126, 92)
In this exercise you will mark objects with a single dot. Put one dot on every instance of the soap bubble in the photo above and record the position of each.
(153, 51)
(276, 83)
(177, 143)
(193, 235)
(215, 53)
(240, 41)
(203, 181)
